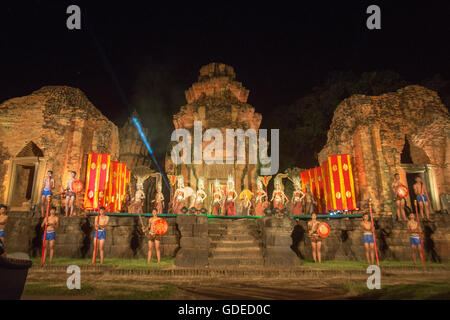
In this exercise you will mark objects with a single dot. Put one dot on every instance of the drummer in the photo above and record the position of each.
(368, 230)
(316, 240)
(152, 237)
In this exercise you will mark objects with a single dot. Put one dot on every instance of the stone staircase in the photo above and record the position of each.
(234, 243)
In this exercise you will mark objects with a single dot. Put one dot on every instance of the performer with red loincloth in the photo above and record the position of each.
(159, 198)
(47, 186)
(397, 189)
(153, 237)
(297, 198)
(178, 202)
(230, 206)
(217, 198)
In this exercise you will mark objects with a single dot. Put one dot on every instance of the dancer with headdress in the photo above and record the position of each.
(230, 206)
(159, 198)
(279, 199)
(200, 195)
(297, 198)
(260, 199)
(137, 202)
(309, 200)
(179, 200)
(217, 198)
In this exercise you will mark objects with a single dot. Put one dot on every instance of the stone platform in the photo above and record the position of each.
(201, 241)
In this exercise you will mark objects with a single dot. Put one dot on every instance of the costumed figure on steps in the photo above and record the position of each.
(179, 199)
(200, 195)
(230, 206)
(297, 197)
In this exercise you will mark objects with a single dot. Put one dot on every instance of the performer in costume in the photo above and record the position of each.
(261, 199)
(52, 223)
(414, 238)
(3, 222)
(70, 194)
(230, 206)
(278, 196)
(217, 198)
(368, 240)
(200, 195)
(309, 200)
(137, 201)
(316, 240)
(47, 186)
(422, 198)
(100, 224)
(159, 198)
(246, 205)
(179, 199)
(153, 237)
(399, 201)
(297, 198)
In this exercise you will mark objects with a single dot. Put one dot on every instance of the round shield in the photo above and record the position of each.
(323, 230)
(161, 226)
(402, 191)
(76, 186)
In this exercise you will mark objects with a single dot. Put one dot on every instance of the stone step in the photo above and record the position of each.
(235, 262)
(235, 245)
(237, 254)
(234, 238)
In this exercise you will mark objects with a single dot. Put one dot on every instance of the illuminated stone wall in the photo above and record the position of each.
(374, 130)
(53, 128)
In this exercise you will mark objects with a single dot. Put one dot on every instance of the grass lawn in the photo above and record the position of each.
(129, 264)
(358, 265)
(99, 291)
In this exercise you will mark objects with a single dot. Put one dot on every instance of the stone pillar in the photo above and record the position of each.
(277, 241)
(194, 241)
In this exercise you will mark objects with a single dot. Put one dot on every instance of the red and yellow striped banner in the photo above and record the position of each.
(342, 190)
(116, 186)
(326, 187)
(96, 179)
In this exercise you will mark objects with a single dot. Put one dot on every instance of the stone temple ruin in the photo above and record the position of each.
(406, 131)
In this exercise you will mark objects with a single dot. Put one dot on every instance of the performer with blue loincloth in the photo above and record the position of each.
(52, 223)
(47, 186)
(368, 240)
(422, 198)
(414, 237)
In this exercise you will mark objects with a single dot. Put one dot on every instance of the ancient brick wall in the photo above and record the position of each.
(62, 125)
(373, 130)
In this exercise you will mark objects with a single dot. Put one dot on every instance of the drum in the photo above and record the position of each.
(161, 226)
(323, 230)
(402, 191)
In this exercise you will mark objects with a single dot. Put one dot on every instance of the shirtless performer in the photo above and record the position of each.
(399, 201)
(47, 186)
(316, 240)
(70, 194)
(100, 224)
(414, 238)
(422, 198)
(52, 222)
(3, 222)
(309, 201)
(217, 198)
(152, 237)
(297, 198)
(159, 199)
(367, 229)
(261, 199)
(200, 195)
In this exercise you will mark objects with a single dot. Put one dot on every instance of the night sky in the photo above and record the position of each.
(279, 51)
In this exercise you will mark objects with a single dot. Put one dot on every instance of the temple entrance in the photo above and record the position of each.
(23, 187)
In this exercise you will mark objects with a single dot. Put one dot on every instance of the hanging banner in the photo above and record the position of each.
(116, 186)
(341, 182)
(96, 180)
(326, 187)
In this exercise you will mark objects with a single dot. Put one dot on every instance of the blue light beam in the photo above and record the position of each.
(144, 139)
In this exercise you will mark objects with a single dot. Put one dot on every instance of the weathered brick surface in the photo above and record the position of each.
(373, 129)
(194, 242)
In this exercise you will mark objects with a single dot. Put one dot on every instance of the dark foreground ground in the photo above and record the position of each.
(133, 279)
